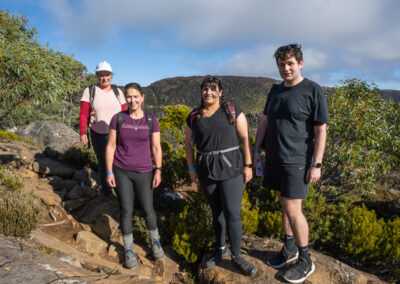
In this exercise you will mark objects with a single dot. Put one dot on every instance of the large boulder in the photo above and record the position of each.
(56, 136)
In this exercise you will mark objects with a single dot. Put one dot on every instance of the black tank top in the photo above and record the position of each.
(212, 135)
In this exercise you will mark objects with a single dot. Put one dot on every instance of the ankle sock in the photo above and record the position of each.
(154, 235)
(128, 241)
(303, 253)
(290, 243)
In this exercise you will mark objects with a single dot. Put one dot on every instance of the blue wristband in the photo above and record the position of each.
(110, 173)
(256, 151)
(191, 168)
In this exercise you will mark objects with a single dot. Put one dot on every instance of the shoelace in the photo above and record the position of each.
(157, 243)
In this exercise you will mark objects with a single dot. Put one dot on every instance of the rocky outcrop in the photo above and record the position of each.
(55, 136)
(258, 251)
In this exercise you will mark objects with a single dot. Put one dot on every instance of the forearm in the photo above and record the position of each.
(110, 150)
(157, 155)
(260, 131)
(246, 149)
(320, 133)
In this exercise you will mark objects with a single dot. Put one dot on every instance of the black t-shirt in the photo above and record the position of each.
(215, 133)
(292, 113)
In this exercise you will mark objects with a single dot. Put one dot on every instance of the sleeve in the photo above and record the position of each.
(122, 100)
(321, 111)
(83, 117)
(113, 122)
(274, 86)
(156, 126)
(85, 96)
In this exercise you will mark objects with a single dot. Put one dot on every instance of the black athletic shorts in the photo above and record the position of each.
(290, 180)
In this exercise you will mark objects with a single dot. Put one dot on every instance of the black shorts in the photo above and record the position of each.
(290, 180)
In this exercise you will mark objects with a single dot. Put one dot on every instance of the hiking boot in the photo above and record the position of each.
(158, 252)
(130, 259)
(283, 257)
(217, 257)
(300, 271)
(245, 266)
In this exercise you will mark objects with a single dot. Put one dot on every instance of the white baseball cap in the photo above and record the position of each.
(103, 66)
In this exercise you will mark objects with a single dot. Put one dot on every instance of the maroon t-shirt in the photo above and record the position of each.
(133, 152)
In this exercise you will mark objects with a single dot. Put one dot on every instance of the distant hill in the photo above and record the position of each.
(248, 92)
(393, 94)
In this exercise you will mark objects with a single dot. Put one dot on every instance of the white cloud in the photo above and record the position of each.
(337, 35)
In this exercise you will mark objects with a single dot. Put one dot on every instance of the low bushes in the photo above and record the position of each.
(19, 214)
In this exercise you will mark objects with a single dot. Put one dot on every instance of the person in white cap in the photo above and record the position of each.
(99, 103)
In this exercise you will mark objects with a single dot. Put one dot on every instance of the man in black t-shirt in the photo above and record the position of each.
(293, 128)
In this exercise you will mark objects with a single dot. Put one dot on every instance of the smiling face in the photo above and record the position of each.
(211, 94)
(104, 78)
(134, 99)
(290, 70)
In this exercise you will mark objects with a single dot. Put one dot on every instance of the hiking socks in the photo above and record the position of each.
(303, 253)
(290, 243)
(154, 235)
(128, 241)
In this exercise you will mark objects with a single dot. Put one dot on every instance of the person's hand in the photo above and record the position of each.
(111, 180)
(156, 178)
(84, 139)
(257, 157)
(313, 174)
(194, 177)
(247, 174)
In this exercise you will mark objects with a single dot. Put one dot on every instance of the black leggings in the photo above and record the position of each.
(130, 184)
(225, 198)
(99, 143)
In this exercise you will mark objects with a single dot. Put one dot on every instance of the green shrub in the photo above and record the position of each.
(391, 243)
(192, 228)
(6, 135)
(270, 225)
(364, 234)
(363, 137)
(10, 180)
(81, 157)
(249, 215)
(19, 214)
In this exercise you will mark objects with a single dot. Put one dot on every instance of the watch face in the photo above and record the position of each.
(317, 165)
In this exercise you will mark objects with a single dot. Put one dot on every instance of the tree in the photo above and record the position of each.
(32, 75)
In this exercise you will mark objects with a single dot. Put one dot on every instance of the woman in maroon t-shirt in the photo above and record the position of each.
(130, 168)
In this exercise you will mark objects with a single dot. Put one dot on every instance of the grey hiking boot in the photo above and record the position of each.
(217, 256)
(283, 257)
(245, 266)
(300, 271)
(130, 259)
(158, 252)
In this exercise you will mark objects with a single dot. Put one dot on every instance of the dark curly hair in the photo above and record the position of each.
(287, 51)
(214, 81)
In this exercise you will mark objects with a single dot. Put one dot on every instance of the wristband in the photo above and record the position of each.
(110, 173)
(191, 168)
(248, 165)
(159, 168)
(256, 151)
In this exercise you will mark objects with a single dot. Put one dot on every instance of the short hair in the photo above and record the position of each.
(287, 51)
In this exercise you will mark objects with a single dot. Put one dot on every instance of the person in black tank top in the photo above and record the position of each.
(217, 128)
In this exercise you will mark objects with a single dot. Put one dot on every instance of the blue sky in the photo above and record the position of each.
(146, 41)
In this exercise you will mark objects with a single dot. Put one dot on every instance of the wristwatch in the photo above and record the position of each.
(317, 165)
(248, 165)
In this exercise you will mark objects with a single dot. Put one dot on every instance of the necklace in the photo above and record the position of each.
(137, 125)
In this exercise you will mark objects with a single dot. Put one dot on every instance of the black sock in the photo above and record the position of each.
(303, 253)
(290, 243)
